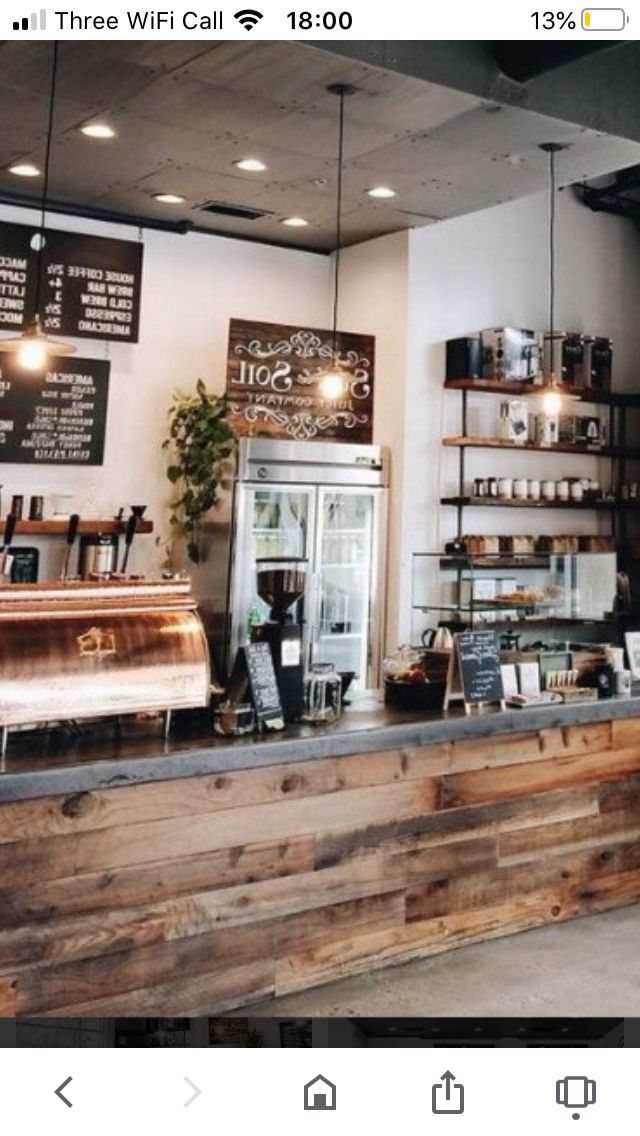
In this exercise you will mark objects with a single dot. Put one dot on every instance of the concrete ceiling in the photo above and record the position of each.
(184, 112)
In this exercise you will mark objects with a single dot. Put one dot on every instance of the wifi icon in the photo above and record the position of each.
(248, 17)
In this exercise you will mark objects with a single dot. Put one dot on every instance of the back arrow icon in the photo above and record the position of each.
(195, 1094)
(60, 1094)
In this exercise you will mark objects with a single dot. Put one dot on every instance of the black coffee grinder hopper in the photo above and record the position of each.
(281, 583)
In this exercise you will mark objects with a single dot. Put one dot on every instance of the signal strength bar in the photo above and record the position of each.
(37, 21)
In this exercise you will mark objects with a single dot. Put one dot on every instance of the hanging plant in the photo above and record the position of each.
(201, 444)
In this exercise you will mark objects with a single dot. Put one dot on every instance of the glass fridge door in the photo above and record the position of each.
(270, 521)
(348, 582)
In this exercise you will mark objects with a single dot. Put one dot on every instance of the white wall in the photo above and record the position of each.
(483, 270)
(192, 286)
(374, 300)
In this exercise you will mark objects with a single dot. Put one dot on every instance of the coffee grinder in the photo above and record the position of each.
(280, 584)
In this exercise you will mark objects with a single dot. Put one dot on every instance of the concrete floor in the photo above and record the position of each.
(586, 968)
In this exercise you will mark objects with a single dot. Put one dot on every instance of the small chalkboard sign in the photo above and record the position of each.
(254, 674)
(478, 666)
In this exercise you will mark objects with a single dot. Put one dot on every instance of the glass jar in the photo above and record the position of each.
(232, 719)
(322, 694)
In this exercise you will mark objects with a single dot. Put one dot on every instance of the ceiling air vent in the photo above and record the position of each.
(224, 209)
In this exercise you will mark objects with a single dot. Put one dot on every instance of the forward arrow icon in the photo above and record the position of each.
(195, 1094)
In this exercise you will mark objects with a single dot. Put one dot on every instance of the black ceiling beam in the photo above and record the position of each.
(179, 228)
(523, 60)
(600, 91)
(608, 201)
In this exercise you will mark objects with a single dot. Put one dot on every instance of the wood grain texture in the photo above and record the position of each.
(200, 895)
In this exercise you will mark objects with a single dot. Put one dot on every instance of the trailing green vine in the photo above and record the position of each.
(201, 444)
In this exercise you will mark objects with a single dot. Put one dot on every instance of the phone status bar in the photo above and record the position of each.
(342, 20)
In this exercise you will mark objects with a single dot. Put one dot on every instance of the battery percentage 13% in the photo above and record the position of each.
(554, 21)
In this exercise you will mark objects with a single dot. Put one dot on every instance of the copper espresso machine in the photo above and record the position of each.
(85, 649)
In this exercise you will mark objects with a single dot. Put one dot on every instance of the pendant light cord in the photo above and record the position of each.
(45, 183)
(552, 247)
(336, 284)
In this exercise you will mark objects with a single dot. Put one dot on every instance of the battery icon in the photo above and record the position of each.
(604, 19)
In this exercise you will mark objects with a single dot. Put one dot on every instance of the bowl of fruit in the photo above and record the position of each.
(407, 685)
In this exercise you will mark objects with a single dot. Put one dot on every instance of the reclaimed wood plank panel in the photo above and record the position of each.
(538, 776)
(55, 857)
(196, 914)
(415, 763)
(557, 875)
(458, 824)
(109, 890)
(534, 843)
(237, 986)
(201, 895)
(625, 732)
(7, 997)
(365, 953)
(112, 808)
(615, 795)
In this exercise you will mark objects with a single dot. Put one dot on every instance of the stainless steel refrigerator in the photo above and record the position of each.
(326, 503)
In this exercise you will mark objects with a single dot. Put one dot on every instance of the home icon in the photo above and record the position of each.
(319, 1095)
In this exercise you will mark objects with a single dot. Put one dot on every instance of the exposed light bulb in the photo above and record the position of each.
(333, 385)
(32, 353)
(552, 402)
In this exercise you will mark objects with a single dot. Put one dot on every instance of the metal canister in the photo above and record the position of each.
(98, 555)
(553, 353)
(36, 508)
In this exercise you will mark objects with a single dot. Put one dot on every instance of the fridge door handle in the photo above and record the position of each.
(314, 608)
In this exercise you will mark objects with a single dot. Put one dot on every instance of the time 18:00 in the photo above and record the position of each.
(327, 20)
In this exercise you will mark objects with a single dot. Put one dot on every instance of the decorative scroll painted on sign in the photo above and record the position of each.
(273, 383)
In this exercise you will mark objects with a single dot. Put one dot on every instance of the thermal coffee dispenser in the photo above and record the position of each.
(280, 584)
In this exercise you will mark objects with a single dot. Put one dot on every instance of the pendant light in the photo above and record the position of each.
(554, 392)
(333, 381)
(33, 347)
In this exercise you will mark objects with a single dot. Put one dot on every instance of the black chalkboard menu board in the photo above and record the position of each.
(253, 669)
(90, 286)
(263, 682)
(478, 657)
(56, 416)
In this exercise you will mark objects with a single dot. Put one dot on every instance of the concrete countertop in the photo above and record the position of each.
(49, 763)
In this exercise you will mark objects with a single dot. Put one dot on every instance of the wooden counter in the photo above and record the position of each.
(203, 892)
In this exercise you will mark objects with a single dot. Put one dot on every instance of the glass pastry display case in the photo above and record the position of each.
(519, 593)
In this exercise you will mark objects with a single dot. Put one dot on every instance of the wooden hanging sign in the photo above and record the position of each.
(274, 383)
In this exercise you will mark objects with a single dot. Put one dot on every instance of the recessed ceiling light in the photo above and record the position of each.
(98, 130)
(170, 198)
(295, 222)
(25, 170)
(382, 191)
(251, 165)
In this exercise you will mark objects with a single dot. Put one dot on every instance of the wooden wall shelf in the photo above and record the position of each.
(465, 442)
(512, 503)
(90, 527)
(528, 390)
